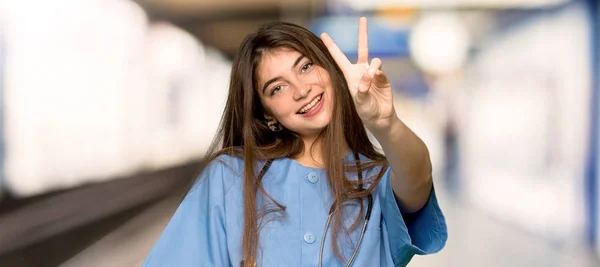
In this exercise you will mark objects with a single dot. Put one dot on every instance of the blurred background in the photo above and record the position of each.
(106, 108)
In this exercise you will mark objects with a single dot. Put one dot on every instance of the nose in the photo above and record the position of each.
(301, 91)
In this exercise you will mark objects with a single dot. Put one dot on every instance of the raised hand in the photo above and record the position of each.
(369, 87)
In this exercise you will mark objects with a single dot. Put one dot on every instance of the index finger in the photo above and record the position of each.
(335, 52)
(363, 41)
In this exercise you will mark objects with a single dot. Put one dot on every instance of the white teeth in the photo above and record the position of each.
(311, 104)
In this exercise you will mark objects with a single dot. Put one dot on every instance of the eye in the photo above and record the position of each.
(306, 67)
(276, 90)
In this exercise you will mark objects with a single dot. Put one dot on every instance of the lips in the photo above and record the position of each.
(311, 105)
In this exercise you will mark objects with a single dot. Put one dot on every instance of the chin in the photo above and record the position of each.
(313, 127)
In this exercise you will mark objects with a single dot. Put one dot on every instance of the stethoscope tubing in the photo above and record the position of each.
(362, 232)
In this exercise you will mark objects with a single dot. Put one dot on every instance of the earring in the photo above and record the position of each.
(274, 125)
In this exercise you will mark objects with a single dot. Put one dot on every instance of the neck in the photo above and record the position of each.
(312, 155)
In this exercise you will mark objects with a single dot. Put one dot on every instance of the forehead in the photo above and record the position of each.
(275, 61)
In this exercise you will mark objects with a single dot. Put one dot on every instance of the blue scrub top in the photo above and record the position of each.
(206, 229)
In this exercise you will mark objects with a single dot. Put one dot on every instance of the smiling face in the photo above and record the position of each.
(295, 92)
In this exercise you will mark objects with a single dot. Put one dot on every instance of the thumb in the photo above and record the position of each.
(362, 90)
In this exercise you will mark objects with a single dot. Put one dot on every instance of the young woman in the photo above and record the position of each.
(296, 181)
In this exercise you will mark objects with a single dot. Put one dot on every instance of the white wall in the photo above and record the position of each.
(524, 132)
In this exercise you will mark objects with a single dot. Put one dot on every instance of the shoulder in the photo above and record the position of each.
(231, 165)
(219, 176)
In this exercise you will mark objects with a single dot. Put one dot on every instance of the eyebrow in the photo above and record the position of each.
(269, 82)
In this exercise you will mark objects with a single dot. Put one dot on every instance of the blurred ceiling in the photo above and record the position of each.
(194, 7)
(425, 4)
(224, 23)
(222, 9)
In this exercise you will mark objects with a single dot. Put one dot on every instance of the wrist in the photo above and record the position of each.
(385, 127)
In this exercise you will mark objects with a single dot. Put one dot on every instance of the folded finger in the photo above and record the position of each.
(362, 92)
(374, 66)
(365, 84)
(380, 76)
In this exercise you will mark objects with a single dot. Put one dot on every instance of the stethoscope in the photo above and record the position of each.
(365, 223)
(332, 209)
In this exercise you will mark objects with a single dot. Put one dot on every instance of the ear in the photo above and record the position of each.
(269, 117)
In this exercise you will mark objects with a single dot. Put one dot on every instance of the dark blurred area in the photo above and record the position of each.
(107, 107)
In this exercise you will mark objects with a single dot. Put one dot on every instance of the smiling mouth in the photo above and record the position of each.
(311, 105)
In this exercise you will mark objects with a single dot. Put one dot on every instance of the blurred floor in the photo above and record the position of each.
(129, 244)
(474, 240)
(62, 247)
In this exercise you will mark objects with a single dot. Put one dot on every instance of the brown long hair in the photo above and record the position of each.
(244, 133)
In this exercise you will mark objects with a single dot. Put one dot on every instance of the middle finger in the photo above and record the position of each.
(363, 41)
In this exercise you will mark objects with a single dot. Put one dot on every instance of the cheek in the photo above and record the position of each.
(279, 107)
(321, 78)
(325, 83)
(330, 91)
